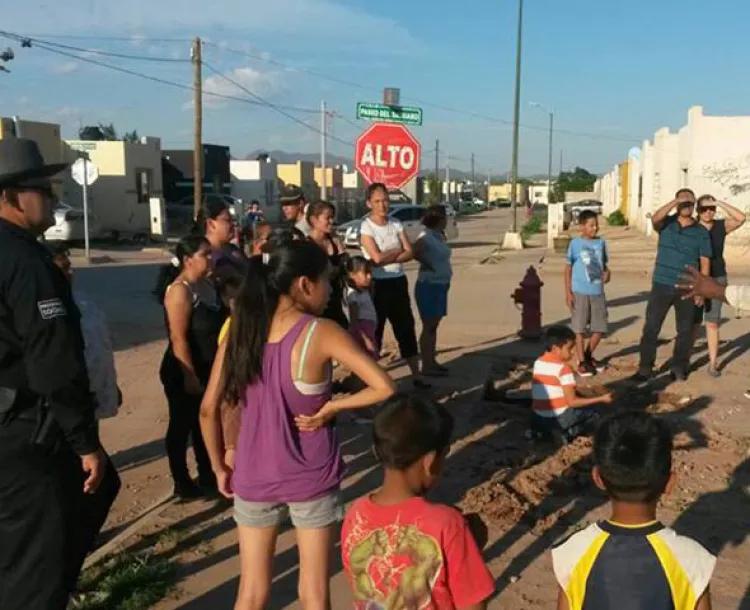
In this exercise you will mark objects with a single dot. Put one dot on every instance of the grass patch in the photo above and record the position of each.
(532, 226)
(617, 219)
(129, 581)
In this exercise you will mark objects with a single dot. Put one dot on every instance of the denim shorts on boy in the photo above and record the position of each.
(432, 299)
(590, 311)
(313, 514)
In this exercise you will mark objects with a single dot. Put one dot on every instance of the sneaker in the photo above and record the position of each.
(188, 491)
(714, 372)
(585, 369)
(600, 367)
(678, 376)
(641, 378)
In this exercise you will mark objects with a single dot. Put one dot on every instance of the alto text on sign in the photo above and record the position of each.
(388, 153)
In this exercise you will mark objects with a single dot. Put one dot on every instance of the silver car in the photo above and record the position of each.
(69, 224)
(409, 215)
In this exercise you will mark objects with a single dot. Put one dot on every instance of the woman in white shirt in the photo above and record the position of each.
(387, 246)
(433, 283)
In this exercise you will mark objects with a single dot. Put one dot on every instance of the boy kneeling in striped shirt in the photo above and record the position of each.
(556, 406)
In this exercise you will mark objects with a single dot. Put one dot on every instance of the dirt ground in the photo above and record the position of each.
(528, 496)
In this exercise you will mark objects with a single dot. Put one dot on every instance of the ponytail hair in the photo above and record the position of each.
(186, 247)
(268, 278)
(210, 210)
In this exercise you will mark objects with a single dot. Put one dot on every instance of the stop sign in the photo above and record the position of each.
(388, 153)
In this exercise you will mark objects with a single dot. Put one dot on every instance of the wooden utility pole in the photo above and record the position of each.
(198, 128)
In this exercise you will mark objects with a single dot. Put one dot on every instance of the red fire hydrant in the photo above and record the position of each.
(529, 295)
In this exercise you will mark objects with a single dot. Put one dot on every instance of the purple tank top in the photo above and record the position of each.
(275, 462)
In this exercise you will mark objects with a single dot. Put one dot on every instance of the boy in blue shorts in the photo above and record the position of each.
(585, 276)
(631, 561)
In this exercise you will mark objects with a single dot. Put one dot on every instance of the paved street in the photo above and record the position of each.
(528, 499)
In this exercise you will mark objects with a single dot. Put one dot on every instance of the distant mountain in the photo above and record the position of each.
(334, 160)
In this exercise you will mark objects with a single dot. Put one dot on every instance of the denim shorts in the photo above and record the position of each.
(312, 514)
(432, 300)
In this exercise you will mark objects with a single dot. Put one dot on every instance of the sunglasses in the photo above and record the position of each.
(707, 208)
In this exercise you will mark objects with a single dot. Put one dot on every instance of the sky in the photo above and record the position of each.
(613, 73)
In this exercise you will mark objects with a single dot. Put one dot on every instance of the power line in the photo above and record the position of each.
(162, 81)
(272, 106)
(426, 103)
(29, 41)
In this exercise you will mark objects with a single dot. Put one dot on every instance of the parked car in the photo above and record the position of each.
(180, 213)
(69, 224)
(572, 210)
(409, 215)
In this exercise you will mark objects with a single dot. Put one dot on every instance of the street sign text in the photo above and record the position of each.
(389, 114)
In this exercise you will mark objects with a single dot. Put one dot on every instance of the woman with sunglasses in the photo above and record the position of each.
(718, 229)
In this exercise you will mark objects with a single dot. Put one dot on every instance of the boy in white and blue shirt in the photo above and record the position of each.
(585, 275)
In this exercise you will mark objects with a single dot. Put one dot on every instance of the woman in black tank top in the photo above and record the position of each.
(320, 218)
(193, 316)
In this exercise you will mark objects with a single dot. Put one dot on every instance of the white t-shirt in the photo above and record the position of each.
(387, 237)
(364, 304)
(437, 254)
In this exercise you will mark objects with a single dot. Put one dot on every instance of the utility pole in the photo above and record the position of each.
(516, 120)
(551, 130)
(198, 129)
(323, 144)
(489, 184)
(447, 177)
(561, 159)
(437, 159)
(473, 187)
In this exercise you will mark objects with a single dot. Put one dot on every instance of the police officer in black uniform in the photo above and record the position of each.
(56, 482)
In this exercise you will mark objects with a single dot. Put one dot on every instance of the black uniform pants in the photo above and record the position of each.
(393, 305)
(184, 425)
(47, 524)
(660, 301)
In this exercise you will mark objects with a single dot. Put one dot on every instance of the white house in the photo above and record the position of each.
(256, 180)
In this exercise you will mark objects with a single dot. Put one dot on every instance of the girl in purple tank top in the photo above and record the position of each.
(277, 365)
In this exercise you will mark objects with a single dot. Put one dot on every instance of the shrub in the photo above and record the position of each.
(532, 227)
(617, 219)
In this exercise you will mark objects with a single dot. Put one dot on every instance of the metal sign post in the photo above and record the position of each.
(85, 173)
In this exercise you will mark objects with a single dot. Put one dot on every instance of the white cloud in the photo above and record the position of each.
(260, 83)
(305, 22)
(65, 68)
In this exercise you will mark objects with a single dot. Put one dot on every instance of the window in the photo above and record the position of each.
(143, 185)
(406, 214)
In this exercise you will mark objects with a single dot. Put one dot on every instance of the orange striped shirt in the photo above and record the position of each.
(551, 375)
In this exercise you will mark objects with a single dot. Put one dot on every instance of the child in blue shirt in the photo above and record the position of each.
(585, 276)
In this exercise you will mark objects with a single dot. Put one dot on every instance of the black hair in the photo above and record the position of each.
(11, 194)
(228, 277)
(354, 264)
(256, 304)
(633, 451)
(434, 215)
(558, 336)
(282, 235)
(406, 428)
(210, 210)
(57, 248)
(585, 216)
(375, 186)
(186, 247)
(684, 191)
(317, 208)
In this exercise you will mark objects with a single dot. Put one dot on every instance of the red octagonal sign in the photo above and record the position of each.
(388, 153)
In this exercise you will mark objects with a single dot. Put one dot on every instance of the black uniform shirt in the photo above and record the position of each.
(41, 344)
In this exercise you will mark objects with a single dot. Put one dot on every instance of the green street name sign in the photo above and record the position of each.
(389, 114)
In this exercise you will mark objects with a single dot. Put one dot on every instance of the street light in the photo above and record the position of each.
(551, 125)
(513, 239)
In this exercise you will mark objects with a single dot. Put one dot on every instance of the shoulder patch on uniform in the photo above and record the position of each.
(51, 309)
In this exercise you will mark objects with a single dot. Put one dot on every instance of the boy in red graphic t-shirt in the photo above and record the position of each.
(399, 550)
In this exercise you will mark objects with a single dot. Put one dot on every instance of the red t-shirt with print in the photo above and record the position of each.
(412, 555)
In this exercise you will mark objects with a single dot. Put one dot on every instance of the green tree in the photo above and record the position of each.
(433, 185)
(579, 180)
(98, 133)
(131, 136)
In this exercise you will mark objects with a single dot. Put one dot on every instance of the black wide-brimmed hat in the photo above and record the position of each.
(22, 163)
(292, 195)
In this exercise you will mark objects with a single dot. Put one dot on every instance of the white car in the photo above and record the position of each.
(69, 225)
(409, 215)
